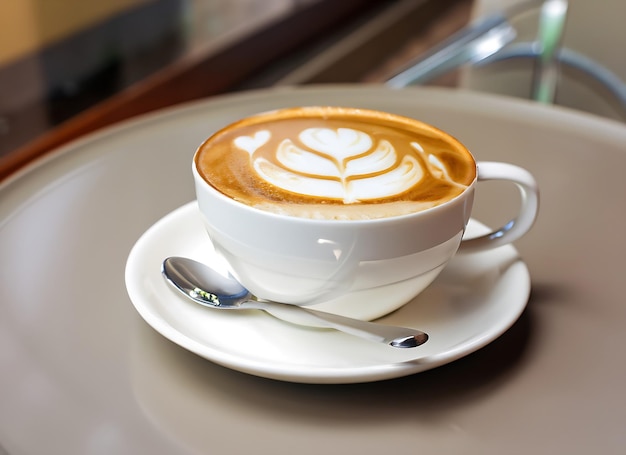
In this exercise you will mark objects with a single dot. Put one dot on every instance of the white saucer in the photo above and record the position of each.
(476, 299)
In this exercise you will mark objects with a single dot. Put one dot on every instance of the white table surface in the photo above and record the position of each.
(82, 373)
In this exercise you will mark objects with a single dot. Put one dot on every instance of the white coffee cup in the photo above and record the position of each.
(363, 268)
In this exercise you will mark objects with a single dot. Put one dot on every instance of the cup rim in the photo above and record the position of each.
(286, 111)
(328, 221)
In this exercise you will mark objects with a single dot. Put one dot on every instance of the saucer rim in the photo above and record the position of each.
(298, 373)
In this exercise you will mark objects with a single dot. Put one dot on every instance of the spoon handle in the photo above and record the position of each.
(398, 337)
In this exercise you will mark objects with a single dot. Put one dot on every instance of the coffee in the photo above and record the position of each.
(318, 165)
(335, 163)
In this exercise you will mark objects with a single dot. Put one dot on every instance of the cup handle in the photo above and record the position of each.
(518, 226)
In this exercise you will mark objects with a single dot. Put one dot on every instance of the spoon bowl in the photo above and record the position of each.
(207, 287)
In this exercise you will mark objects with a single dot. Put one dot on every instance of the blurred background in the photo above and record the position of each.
(68, 67)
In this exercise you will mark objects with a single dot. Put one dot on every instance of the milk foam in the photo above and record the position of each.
(335, 163)
(343, 164)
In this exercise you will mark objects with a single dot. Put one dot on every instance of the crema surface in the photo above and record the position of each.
(335, 163)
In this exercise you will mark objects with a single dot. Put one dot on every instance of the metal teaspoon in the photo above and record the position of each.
(207, 287)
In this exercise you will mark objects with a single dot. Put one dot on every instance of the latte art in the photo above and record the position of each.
(335, 163)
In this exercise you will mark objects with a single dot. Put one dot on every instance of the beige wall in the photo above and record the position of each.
(27, 25)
